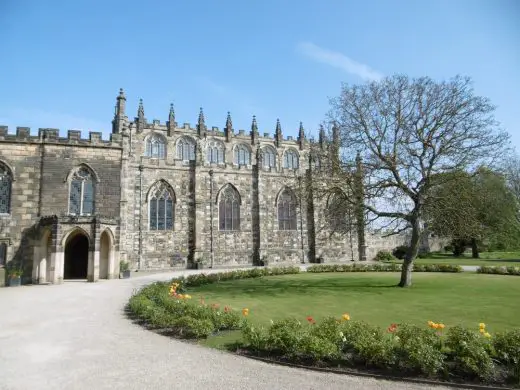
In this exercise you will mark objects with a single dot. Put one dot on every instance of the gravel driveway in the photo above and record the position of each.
(75, 336)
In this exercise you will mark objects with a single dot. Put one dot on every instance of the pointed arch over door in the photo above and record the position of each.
(106, 254)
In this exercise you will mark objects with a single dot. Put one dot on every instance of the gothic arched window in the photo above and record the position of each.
(229, 209)
(81, 193)
(290, 159)
(161, 213)
(287, 210)
(242, 155)
(186, 149)
(338, 213)
(268, 157)
(3, 254)
(6, 182)
(155, 146)
(215, 152)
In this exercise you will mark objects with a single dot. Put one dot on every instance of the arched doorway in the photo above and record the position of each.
(105, 253)
(76, 257)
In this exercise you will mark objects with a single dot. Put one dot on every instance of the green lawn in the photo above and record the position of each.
(508, 259)
(465, 299)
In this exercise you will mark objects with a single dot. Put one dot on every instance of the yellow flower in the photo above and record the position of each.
(430, 324)
(487, 335)
(187, 296)
(245, 312)
(482, 330)
(180, 296)
(435, 326)
(345, 317)
(441, 326)
(482, 325)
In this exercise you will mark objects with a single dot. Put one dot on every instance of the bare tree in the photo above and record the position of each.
(407, 131)
(512, 174)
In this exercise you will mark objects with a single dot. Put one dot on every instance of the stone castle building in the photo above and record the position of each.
(159, 196)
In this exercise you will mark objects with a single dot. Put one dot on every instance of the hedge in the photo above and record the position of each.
(498, 270)
(380, 267)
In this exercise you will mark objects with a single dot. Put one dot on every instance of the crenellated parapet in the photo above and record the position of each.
(52, 136)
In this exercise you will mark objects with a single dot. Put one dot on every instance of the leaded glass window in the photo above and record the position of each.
(242, 155)
(3, 254)
(337, 211)
(161, 213)
(81, 194)
(215, 152)
(290, 159)
(287, 210)
(186, 149)
(229, 209)
(268, 157)
(155, 147)
(6, 181)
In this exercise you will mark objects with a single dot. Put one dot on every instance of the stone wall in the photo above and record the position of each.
(124, 176)
(40, 166)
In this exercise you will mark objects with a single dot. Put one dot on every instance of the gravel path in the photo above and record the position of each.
(75, 336)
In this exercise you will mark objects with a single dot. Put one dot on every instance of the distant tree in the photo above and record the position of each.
(473, 210)
(408, 131)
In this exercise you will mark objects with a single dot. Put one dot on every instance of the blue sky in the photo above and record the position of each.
(63, 62)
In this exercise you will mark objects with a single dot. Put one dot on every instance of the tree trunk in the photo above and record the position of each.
(406, 271)
(474, 249)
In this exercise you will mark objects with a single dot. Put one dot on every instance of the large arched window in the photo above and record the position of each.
(268, 157)
(215, 152)
(155, 146)
(6, 182)
(287, 210)
(229, 209)
(81, 193)
(161, 212)
(290, 159)
(186, 149)
(242, 155)
(339, 213)
(3, 254)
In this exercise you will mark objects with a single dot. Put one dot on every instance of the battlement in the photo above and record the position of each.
(49, 135)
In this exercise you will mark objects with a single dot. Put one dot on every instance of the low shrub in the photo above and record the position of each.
(190, 327)
(400, 251)
(418, 350)
(368, 344)
(383, 267)
(384, 256)
(470, 353)
(499, 270)
(507, 352)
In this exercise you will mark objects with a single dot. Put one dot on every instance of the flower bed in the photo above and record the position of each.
(433, 351)
(381, 267)
(436, 350)
(486, 269)
(165, 306)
